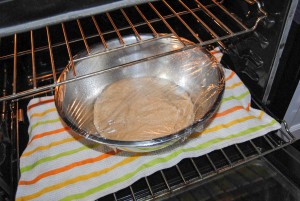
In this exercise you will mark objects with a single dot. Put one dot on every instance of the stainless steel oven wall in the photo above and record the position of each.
(255, 56)
(273, 70)
(292, 116)
(285, 92)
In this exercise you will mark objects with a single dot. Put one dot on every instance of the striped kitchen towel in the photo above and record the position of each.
(59, 165)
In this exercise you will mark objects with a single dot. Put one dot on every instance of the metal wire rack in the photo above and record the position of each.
(41, 54)
(189, 172)
(186, 174)
(242, 183)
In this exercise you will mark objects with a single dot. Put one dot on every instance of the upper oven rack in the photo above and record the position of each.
(215, 22)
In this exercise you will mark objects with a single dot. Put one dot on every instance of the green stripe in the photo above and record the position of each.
(162, 160)
(235, 97)
(43, 122)
(54, 157)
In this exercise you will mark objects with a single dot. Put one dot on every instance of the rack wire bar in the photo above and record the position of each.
(51, 55)
(131, 25)
(158, 16)
(266, 138)
(227, 158)
(180, 173)
(212, 33)
(33, 60)
(146, 20)
(149, 187)
(273, 141)
(99, 32)
(83, 36)
(230, 14)
(15, 66)
(287, 130)
(211, 162)
(257, 149)
(3, 112)
(115, 28)
(228, 30)
(167, 24)
(196, 168)
(115, 197)
(182, 21)
(132, 193)
(240, 151)
(165, 180)
(68, 48)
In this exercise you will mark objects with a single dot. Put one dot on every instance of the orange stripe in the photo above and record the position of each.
(39, 103)
(234, 85)
(230, 76)
(215, 52)
(53, 132)
(248, 107)
(221, 126)
(68, 167)
(230, 110)
(80, 178)
(51, 145)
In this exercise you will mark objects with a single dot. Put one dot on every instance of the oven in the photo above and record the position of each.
(39, 38)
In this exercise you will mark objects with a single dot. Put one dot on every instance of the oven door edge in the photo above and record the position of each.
(279, 51)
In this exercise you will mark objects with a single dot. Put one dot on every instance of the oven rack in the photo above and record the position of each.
(242, 183)
(167, 182)
(23, 54)
(190, 172)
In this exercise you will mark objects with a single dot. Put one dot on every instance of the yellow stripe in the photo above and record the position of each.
(42, 113)
(260, 115)
(221, 126)
(79, 178)
(234, 85)
(40, 148)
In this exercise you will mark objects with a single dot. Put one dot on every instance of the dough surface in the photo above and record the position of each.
(142, 109)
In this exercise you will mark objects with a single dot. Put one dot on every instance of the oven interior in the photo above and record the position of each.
(247, 31)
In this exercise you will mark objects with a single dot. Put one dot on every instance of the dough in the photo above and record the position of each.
(142, 109)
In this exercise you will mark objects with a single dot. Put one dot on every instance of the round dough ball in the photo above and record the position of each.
(144, 108)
